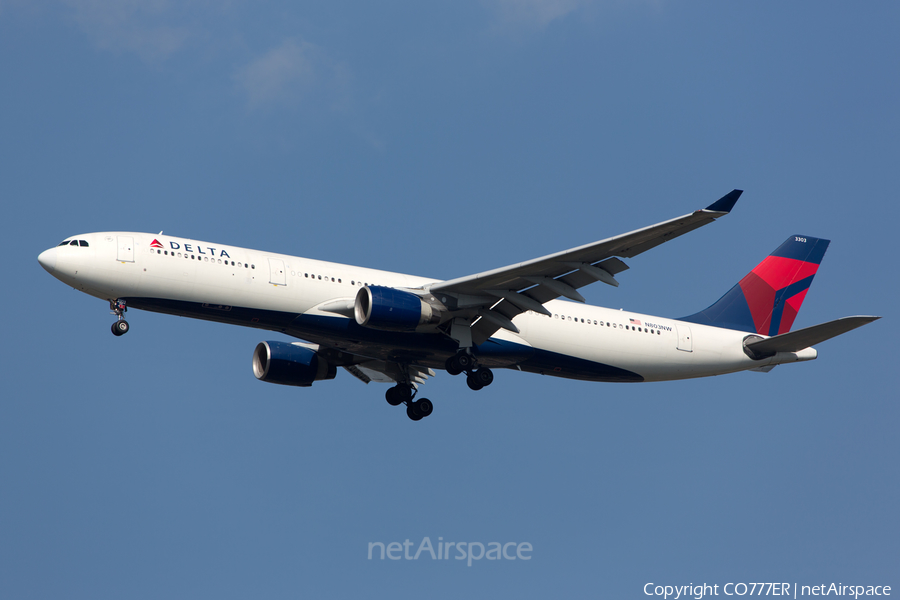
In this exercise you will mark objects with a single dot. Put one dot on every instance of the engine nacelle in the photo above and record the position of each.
(391, 309)
(290, 364)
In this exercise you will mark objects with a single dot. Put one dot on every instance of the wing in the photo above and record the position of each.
(389, 372)
(367, 369)
(488, 301)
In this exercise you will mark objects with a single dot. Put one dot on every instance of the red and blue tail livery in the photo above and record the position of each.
(766, 301)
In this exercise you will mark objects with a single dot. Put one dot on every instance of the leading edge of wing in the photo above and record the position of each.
(626, 245)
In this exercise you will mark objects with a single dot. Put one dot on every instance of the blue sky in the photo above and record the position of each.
(443, 139)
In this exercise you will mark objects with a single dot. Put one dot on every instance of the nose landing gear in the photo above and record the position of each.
(120, 327)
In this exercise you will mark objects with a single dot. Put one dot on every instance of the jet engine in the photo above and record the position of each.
(290, 364)
(391, 309)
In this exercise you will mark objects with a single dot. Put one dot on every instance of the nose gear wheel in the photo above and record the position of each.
(120, 327)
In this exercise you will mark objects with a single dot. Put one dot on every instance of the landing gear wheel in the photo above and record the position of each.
(405, 392)
(473, 383)
(465, 361)
(484, 376)
(120, 327)
(399, 394)
(412, 411)
(425, 407)
(392, 397)
(118, 308)
(452, 365)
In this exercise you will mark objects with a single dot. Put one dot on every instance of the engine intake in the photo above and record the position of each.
(391, 309)
(290, 364)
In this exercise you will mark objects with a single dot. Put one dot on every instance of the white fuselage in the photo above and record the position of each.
(280, 292)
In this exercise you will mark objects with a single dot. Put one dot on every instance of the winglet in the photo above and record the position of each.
(726, 202)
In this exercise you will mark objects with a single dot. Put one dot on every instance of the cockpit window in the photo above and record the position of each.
(65, 243)
(73, 243)
(82, 243)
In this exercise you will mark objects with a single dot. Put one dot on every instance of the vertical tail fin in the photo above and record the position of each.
(766, 301)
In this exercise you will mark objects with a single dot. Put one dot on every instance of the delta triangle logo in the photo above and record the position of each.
(155, 244)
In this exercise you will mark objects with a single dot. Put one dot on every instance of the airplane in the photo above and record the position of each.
(394, 328)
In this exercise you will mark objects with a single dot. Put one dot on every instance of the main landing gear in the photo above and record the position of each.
(121, 326)
(405, 393)
(476, 377)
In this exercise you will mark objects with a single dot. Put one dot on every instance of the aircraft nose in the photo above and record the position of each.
(47, 258)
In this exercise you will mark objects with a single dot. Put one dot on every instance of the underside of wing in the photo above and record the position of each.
(389, 372)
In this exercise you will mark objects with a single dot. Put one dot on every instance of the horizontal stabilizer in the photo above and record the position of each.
(804, 338)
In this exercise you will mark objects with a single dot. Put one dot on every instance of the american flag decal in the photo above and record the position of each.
(634, 321)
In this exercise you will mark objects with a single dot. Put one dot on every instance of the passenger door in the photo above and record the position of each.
(126, 249)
